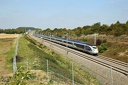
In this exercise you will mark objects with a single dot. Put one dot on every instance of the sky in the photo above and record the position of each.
(61, 13)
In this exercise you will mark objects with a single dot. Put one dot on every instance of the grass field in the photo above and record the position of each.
(7, 44)
(9, 35)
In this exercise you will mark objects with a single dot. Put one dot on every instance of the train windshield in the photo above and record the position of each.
(94, 47)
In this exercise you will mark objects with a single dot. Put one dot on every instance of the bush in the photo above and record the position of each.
(84, 40)
(103, 47)
(20, 77)
(99, 41)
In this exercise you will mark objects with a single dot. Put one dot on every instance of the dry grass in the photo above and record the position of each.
(9, 35)
(40, 77)
(117, 46)
(6, 43)
(117, 51)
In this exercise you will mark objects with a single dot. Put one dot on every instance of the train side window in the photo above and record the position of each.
(88, 48)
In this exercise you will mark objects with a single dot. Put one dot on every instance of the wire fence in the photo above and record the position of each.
(60, 79)
(15, 54)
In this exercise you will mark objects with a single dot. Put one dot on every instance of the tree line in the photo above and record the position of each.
(18, 30)
(115, 29)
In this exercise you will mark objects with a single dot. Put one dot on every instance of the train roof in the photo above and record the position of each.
(74, 41)
(70, 40)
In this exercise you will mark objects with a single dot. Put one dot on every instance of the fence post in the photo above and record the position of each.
(47, 72)
(72, 74)
(111, 75)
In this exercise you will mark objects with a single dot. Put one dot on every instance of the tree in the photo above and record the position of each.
(127, 22)
(78, 31)
(103, 28)
(96, 27)
(117, 22)
(126, 28)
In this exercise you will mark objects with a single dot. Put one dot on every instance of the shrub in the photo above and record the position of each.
(103, 47)
(84, 40)
(98, 42)
(20, 77)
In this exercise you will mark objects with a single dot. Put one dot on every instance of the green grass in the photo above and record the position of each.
(37, 55)
(10, 54)
(9, 58)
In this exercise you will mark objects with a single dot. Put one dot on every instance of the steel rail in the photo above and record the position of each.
(113, 61)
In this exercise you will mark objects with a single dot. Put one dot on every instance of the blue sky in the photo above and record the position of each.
(61, 13)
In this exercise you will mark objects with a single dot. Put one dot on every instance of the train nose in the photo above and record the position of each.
(95, 51)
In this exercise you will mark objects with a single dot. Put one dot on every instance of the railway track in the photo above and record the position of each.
(125, 72)
(96, 60)
(113, 61)
(116, 68)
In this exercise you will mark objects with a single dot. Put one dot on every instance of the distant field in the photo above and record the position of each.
(9, 35)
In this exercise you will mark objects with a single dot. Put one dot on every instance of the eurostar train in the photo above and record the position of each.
(82, 46)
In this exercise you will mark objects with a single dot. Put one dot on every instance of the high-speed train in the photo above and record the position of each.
(83, 46)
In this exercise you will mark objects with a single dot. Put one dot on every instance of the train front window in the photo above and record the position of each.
(94, 47)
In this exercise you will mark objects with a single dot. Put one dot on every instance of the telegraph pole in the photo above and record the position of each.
(67, 43)
(95, 39)
(72, 74)
(67, 39)
(50, 39)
